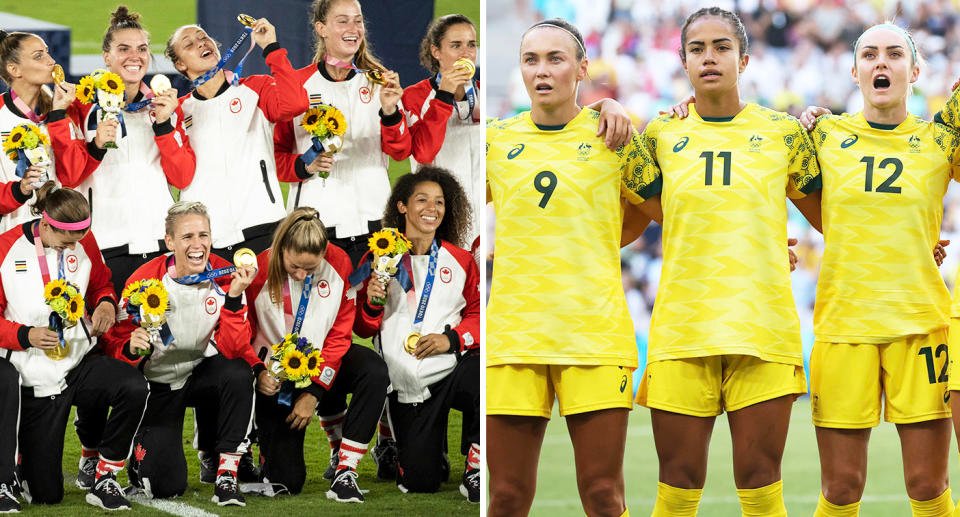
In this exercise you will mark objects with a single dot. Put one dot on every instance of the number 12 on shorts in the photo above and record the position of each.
(928, 354)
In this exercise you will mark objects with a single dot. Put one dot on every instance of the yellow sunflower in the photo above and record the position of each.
(128, 291)
(382, 242)
(74, 310)
(14, 141)
(44, 139)
(335, 122)
(85, 89)
(311, 121)
(110, 83)
(54, 289)
(295, 365)
(314, 360)
(154, 300)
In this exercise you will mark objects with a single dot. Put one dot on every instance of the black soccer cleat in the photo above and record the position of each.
(8, 501)
(107, 494)
(87, 472)
(332, 466)
(470, 487)
(344, 489)
(385, 455)
(227, 491)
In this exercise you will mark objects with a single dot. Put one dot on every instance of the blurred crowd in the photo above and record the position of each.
(800, 55)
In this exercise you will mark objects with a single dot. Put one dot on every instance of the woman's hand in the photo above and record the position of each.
(303, 410)
(266, 384)
(242, 278)
(808, 119)
(106, 132)
(63, 95)
(431, 344)
(43, 338)
(375, 289)
(390, 92)
(322, 163)
(31, 179)
(104, 316)
(164, 105)
(264, 33)
(454, 78)
(139, 340)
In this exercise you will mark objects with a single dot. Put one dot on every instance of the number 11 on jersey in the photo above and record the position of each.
(722, 155)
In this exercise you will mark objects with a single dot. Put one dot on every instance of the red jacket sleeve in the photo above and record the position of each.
(427, 130)
(338, 339)
(395, 136)
(13, 335)
(74, 163)
(469, 328)
(368, 319)
(282, 96)
(232, 335)
(11, 197)
(177, 159)
(285, 152)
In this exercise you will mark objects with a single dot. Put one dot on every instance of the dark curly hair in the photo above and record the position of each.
(456, 223)
(435, 33)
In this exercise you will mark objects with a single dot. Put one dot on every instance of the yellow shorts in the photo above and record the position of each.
(708, 386)
(530, 389)
(953, 340)
(848, 381)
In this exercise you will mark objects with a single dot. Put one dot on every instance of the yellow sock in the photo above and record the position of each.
(763, 501)
(676, 502)
(940, 506)
(827, 509)
(626, 513)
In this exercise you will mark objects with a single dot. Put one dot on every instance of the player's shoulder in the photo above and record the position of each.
(495, 125)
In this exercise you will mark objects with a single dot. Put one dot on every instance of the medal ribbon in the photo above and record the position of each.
(226, 57)
(55, 322)
(208, 274)
(147, 99)
(26, 110)
(469, 91)
(427, 286)
(302, 308)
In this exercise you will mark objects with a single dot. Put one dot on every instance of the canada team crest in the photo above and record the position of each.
(235, 105)
(365, 94)
(210, 305)
(72, 263)
(323, 288)
(446, 275)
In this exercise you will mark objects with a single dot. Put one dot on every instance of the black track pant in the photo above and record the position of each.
(96, 382)
(362, 373)
(219, 387)
(9, 420)
(421, 429)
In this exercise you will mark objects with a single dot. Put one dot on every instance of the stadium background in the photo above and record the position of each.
(800, 55)
(395, 28)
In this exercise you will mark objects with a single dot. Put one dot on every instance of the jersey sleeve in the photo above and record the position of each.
(282, 96)
(950, 114)
(177, 158)
(73, 161)
(802, 169)
(948, 139)
(639, 173)
(338, 339)
(427, 129)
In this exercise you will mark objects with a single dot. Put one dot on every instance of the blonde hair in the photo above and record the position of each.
(299, 232)
(180, 209)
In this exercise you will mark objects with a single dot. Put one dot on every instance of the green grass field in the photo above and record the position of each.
(383, 497)
(884, 495)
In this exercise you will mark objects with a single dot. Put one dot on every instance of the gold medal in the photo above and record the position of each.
(58, 353)
(465, 64)
(57, 73)
(159, 84)
(376, 76)
(245, 257)
(246, 19)
(410, 345)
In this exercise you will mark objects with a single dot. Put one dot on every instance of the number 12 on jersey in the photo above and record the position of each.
(722, 155)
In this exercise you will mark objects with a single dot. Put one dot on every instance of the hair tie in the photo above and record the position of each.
(67, 227)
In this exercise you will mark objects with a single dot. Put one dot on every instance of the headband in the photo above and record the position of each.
(555, 26)
(78, 226)
(895, 28)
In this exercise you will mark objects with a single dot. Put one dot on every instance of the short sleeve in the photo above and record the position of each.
(803, 170)
(639, 173)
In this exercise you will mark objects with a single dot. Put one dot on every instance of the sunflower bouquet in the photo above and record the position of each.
(26, 145)
(295, 360)
(326, 126)
(67, 307)
(105, 89)
(146, 302)
(387, 246)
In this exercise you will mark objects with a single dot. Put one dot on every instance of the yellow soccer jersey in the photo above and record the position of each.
(883, 190)
(725, 284)
(557, 296)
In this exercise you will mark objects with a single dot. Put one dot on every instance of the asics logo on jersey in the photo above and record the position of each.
(849, 141)
(515, 151)
(681, 144)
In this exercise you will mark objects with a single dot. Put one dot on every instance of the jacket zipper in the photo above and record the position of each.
(266, 181)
